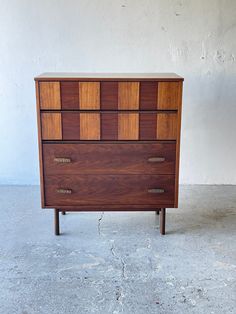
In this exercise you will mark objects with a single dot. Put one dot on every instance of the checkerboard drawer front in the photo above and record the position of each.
(63, 190)
(114, 95)
(125, 126)
(106, 158)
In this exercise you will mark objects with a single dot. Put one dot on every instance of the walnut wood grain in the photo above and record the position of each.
(109, 189)
(109, 95)
(128, 126)
(51, 126)
(109, 126)
(148, 95)
(41, 161)
(49, 95)
(178, 147)
(70, 95)
(114, 173)
(166, 126)
(89, 95)
(71, 125)
(106, 158)
(128, 95)
(169, 95)
(89, 126)
(147, 126)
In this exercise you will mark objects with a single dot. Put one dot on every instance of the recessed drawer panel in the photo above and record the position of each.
(106, 158)
(65, 190)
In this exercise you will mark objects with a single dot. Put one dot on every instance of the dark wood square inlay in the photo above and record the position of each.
(148, 95)
(147, 126)
(109, 95)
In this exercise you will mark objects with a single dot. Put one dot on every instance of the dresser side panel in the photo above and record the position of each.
(40, 147)
(178, 147)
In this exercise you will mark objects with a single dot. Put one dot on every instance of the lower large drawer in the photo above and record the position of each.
(108, 158)
(64, 190)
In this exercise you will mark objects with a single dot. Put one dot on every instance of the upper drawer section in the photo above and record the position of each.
(112, 95)
(109, 125)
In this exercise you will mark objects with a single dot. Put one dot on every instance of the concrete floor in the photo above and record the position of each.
(118, 262)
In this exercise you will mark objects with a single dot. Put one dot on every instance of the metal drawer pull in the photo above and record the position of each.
(63, 160)
(64, 191)
(156, 159)
(156, 191)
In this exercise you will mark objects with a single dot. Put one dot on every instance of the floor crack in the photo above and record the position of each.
(99, 223)
(123, 265)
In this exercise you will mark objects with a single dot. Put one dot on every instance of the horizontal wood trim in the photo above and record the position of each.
(109, 76)
(111, 207)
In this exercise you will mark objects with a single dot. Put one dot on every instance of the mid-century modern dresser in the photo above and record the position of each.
(109, 142)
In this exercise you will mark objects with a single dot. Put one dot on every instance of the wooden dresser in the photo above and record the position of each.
(109, 142)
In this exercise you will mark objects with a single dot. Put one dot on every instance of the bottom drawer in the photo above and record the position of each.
(73, 190)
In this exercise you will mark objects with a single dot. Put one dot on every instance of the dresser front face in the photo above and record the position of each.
(110, 144)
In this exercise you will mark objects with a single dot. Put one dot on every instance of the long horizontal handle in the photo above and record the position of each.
(63, 160)
(156, 159)
(156, 191)
(64, 191)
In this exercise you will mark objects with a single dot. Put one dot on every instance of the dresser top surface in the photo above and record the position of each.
(68, 76)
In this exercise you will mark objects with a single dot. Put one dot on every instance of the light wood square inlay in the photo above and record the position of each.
(128, 126)
(166, 126)
(128, 95)
(89, 95)
(169, 95)
(51, 126)
(50, 95)
(90, 126)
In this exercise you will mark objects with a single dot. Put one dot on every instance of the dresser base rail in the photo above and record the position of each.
(160, 211)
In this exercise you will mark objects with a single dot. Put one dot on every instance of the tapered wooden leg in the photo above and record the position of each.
(63, 213)
(56, 222)
(163, 221)
(158, 211)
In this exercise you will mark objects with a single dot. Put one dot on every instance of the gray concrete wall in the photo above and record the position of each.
(196, 39)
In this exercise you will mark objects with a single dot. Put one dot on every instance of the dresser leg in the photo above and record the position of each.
(63, 213)
(163, 221)
(158, 211)
(56, 222)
